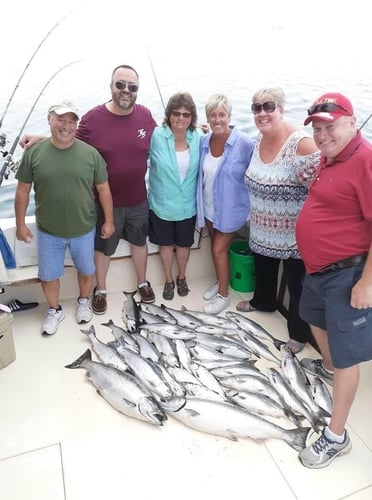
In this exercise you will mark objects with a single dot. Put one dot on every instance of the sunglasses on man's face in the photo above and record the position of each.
(325, 107)
(123, 85)
(268, 107)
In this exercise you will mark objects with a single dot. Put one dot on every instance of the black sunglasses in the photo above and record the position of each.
(268, 107)
(123, 85)
(185, 114)
(325, 107)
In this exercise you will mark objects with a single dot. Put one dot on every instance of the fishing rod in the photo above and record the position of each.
(365, 121)
(27, 66)
(156, 80)
(9, 162)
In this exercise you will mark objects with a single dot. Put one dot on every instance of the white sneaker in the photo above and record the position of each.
(83, 311)
(217, 304)
(51, 321)
(211, 292)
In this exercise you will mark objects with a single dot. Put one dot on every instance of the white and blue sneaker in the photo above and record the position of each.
(323, 451)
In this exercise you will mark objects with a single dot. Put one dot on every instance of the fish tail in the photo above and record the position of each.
(278, 344)
(296, 438)
(109, 323)
(90, 331)
(79, 363)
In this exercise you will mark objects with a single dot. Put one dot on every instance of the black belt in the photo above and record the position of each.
(343, 264)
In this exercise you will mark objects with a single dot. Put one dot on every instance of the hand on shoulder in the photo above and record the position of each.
(28, 140)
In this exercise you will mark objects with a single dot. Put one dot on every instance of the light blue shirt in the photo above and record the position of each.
(170, 198)
(230, 194)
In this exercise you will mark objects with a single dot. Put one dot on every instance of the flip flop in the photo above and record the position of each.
(16, 305)
(245, 306)
(294, 346)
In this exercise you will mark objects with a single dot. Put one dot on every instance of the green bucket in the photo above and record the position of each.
(242, 276)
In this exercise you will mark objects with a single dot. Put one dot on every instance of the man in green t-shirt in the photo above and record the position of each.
(64, 172)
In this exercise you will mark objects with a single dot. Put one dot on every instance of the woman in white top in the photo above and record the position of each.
(222, 198)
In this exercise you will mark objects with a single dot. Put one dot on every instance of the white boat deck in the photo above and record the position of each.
(59, 440)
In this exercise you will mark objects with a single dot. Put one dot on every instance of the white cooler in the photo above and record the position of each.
(7, 350)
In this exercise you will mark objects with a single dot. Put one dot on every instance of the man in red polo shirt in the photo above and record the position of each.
(334, 235)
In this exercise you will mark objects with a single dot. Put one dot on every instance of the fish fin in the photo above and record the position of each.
(78, 363)
(231, 435)
(128, 402)
(296, 438)
(192, 413)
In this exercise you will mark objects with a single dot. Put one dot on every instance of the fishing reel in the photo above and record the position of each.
(13, 164)
(3, 141)
(10, 164)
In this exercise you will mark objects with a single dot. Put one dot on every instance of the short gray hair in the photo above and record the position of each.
(275, 94)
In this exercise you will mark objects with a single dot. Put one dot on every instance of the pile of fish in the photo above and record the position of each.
(201, 369)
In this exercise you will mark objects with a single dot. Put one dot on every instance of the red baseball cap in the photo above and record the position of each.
(329, 107)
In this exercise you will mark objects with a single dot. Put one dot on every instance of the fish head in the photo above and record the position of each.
(151, 411)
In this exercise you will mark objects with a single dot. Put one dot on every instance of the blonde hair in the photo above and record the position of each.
(216, 101)
(275, 94)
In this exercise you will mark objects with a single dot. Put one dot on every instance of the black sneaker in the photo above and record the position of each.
(146, 293)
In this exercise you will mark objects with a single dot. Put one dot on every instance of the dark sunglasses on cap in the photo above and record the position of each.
(123, 85)
(268, 107)
(185, 114)
(325, 107)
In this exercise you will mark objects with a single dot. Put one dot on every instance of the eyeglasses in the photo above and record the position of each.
(123, 85)
(268, 107)
(325, 107)
(185, 114)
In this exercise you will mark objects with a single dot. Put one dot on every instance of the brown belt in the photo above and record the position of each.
(343, 264)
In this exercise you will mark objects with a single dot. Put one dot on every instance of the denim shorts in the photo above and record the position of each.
(131, 224)
(325, 303)
(52, 250)
(167, 233)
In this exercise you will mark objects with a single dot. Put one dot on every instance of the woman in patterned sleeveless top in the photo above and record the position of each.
(283, 162)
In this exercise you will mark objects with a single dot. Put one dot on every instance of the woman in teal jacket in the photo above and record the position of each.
(173, 173)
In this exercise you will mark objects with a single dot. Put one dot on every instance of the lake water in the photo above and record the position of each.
(202, 47)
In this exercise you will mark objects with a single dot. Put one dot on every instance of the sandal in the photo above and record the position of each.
(168, 292)
(182, 288)
(245, 306)
(294, 346)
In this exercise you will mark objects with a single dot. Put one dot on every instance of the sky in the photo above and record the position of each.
(203, 47)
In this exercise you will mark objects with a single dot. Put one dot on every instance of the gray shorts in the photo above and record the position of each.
(325, 303)
(131, 224)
